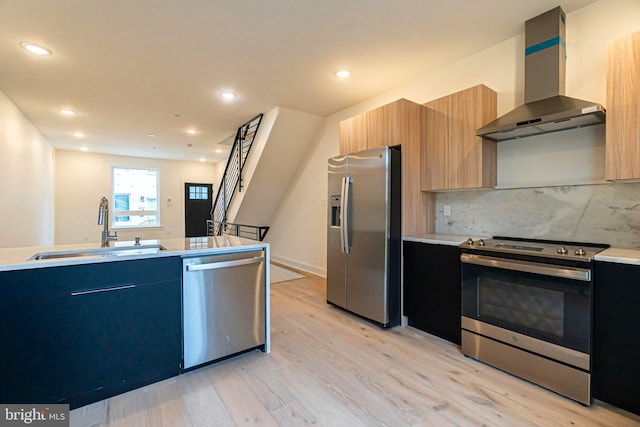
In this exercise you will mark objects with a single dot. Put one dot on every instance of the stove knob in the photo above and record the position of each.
(470, 241)
(480, 242)
(580, 252)
(562, 250)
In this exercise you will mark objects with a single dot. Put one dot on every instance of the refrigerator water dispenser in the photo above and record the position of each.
(335, 211)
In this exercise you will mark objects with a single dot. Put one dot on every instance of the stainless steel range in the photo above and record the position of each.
(526, 309)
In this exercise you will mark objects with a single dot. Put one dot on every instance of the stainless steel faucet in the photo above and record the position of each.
(103, 219)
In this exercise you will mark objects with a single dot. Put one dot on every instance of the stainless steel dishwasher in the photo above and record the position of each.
(223, 306)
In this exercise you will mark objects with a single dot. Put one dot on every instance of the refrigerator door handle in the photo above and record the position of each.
(344, 222)
(341, 214)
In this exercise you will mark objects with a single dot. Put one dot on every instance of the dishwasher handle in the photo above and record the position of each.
(224, 264)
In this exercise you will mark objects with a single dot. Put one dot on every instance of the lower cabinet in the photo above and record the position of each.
(616, 336)
(144, 334)
(78, 334)
(53, 349)
(432, 289)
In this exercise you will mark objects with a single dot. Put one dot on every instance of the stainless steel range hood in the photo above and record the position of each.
(546, 109)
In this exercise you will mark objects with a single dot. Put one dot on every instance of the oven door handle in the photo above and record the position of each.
(529, 267)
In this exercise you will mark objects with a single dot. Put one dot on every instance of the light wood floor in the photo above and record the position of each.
(330, 368)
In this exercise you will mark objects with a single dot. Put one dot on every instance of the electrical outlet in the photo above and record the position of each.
(447, 210)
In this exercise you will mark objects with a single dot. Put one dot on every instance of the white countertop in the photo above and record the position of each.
(620, 256)
(17, 258)
(438, 239)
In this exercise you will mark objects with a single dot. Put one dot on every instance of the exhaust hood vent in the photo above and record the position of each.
(546, 109)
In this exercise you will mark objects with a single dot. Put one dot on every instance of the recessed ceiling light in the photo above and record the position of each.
(192, 131)
(84, 148)
(202, 159)
(343, 74)
(67, 112)
(228, 95)
(34, 48)
(78, 134)
(151, 135)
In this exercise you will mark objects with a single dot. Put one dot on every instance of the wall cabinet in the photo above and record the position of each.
(616, 341)
(432, 291)
(78, 334)
(623, 108)
(453, 157)
(397, 123)
(353, 134)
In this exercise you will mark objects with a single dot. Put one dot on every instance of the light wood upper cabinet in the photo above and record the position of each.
(391, 124)
(397, 123)
(453, 157)
(353, 134)
(623, 108)
(394, 124)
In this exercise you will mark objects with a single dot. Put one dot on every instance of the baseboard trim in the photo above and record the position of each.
(303, 267)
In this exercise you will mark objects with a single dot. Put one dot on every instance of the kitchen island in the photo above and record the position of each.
(85, 323)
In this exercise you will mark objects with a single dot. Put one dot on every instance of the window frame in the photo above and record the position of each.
(133, 212)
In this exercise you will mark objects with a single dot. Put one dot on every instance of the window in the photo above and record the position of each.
(135, 197)
(198, 192)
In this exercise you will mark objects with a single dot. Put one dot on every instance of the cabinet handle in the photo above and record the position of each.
(95, 291)
(224, 264)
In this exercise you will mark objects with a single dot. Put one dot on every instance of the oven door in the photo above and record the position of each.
(550, 303)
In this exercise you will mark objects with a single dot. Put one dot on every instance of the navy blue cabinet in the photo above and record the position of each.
(143, 341)
(77, 334)
(616, 336)
(45, 349)
(432, 290)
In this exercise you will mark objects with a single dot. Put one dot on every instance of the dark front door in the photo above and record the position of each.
(197, 208)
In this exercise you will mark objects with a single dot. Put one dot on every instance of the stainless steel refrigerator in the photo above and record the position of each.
(363, 234)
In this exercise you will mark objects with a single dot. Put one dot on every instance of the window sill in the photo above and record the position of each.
(136, 227)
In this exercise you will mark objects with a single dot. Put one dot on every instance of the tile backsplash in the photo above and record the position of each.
(599, 213)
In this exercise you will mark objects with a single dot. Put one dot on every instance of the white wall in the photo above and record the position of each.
(81, 179)
(298, 234)
(276, 163)
(26, 181)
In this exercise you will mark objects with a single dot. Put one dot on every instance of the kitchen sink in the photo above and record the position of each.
(99, 252)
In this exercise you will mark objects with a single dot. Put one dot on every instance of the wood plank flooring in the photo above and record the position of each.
(330, 368)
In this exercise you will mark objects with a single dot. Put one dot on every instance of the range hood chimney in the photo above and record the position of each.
(546, 109)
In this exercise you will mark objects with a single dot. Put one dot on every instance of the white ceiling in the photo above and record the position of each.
(130, 68)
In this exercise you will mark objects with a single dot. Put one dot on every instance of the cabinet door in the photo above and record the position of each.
(435, 168)
(453, 157)
(53, 348)
(432, 289)
(472, 160)
(143, 341)
(394, 124)
(616, 340)
(623, 108)
(353, 134)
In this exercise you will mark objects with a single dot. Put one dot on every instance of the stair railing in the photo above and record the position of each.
(232, 177)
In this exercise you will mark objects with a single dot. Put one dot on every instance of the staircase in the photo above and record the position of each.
(231, 180)
(278, 150)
